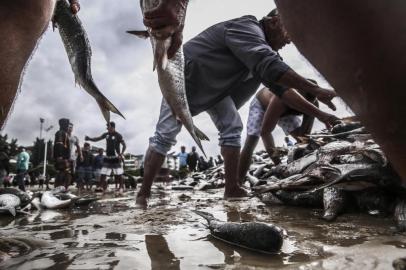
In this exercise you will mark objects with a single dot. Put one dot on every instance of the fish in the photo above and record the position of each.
(335, 201)
(171, 77)
(85, 200)
(300, 198)
(24, 196)
(254, 181)
(399, 264)
(17, 246)
(49, 201)
(400, 215)
(9, 203)
(79, 52)
(345, 127)
(256, 236)
(269, 199)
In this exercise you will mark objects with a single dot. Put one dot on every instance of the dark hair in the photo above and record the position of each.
(111, 124)
(63, 123)
(86, 144)
(274, 12)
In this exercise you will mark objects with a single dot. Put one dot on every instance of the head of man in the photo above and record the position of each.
(21, 149)
(86, 146)
(275, 33)
(100, 151)
(70, 128)
(63, 124)
(111, 127)
(182, 149)
(194, 149)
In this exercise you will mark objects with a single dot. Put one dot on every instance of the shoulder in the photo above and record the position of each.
(247, 21)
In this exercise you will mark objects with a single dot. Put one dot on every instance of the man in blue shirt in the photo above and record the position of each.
(182, 158)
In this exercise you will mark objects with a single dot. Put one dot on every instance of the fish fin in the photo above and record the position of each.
(139, 33)
(205, 215)
(106, 107)
(200, 134)
(12, 211)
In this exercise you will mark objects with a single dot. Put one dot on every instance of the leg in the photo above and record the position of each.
(165, 136)
(228, 122)
(103, 183)
(245, 157)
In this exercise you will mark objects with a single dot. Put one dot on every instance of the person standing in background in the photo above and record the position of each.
(97, 166)
(23, 159)
(85, 168)
(192, 159)
(75, 152)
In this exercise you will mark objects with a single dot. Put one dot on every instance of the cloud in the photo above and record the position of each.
(122, 68)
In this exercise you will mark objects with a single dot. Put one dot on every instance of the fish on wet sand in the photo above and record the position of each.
(400, 215)
(9, 204)
(255, 236)
(24, 196)
(171, 77)
(78, 48)
(335, 200)
(11, 247)
(50, 201)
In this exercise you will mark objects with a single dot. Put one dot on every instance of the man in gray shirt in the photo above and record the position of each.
(224, 66)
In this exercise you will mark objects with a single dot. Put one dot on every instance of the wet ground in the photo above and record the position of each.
(113, 234)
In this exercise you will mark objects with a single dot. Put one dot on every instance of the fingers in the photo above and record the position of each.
(331, 105)
(176, 43)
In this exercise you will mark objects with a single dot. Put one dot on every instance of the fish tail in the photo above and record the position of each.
(200, 134)
(106, 107)
(12, 211)
(207, 216)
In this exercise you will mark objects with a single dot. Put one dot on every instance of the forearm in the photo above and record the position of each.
(293, 80)
(269, 143)
(124, 148)
(296, 101)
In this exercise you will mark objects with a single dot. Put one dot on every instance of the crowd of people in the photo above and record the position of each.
(192, 162)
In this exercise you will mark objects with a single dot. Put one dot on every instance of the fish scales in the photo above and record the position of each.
(79, 52)
(171, 76)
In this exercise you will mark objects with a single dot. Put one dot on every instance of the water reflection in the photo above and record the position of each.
(160, 254)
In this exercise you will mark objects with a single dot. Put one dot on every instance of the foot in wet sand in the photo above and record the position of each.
(235, 193)
(141, 201)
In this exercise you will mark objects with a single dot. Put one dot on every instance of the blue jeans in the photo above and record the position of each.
(224, 115)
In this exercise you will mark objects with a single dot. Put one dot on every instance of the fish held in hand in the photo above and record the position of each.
(171, 77)
(79, 52)
(257, 236)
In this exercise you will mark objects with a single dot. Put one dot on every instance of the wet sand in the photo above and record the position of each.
(112, 234)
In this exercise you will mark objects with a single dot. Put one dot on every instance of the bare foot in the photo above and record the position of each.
(141, 202)
(237, 192)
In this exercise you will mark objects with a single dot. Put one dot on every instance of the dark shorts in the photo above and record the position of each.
(62, 165)
(85, 174)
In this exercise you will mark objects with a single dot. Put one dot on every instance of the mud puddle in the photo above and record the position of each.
(112, 234)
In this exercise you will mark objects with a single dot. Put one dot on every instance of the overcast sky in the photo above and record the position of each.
(122, 68)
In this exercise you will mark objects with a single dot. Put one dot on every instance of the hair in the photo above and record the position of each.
(63, 123)
(111, 124)
(274, 12)
(86, 144)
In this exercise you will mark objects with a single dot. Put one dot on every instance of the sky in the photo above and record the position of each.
(122, 68)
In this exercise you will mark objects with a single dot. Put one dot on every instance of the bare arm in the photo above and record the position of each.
(95, 139)
(79, 150)
(307, 124)
(124, 147)
(293, 80)
(296, 101)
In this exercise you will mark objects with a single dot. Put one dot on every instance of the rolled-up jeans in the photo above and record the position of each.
(224, 115)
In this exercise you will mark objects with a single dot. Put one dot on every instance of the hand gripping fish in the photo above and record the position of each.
(255, 236)
(171, 77)
(77, 47)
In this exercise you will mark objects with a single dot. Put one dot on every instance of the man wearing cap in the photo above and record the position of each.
(114, 158)
(224, 66)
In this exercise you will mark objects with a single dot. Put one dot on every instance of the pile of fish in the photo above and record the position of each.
(339, 170)
(14, 201)
(209, 179)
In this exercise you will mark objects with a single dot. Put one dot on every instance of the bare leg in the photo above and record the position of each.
(245, 157)
(153, 163)
(103, 183)
(231, 158)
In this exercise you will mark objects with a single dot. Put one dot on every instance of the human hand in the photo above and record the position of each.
(75, 6)
(167, 20)
(326, 95)
(328, 119)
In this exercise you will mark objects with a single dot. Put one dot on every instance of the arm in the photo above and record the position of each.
(307, 124)
(296, 101)
(96, 139)
(293, 80)
(273, 112)
(124, 147)
(79, 150)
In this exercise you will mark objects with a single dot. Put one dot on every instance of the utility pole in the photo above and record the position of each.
(41, 121)
(45, 154)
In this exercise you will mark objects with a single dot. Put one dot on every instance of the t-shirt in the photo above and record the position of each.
(23, 159)
(61, 145)
(182, 159)
(73, 141)
(192, 158)
(87, 159)
(113, 141)
(98, 162)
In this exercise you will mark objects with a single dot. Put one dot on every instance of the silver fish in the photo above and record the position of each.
(171, 77)
(334, 200)
(49, 201)
(9, 203)
(262, 237)
(78, 48)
